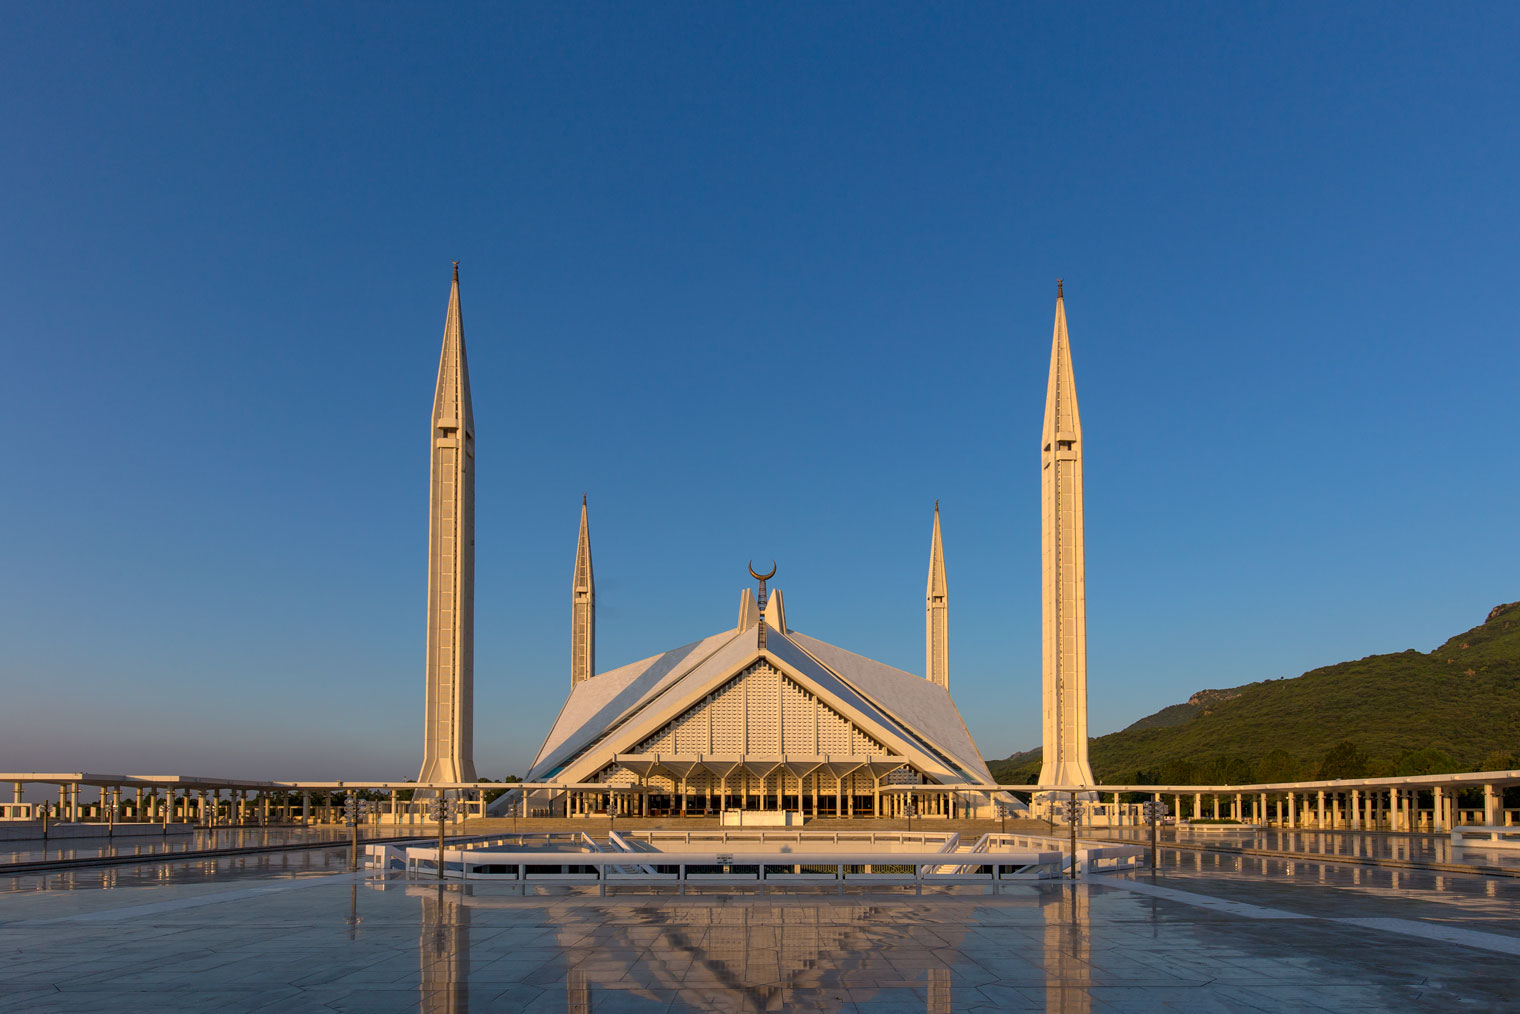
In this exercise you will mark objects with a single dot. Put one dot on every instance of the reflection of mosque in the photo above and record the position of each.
(756, 950)
(444, 950)
(1068, 949)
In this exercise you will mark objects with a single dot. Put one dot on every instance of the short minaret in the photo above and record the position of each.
(1064, 567)
(448, 744)
(583, 608)
(937, 613)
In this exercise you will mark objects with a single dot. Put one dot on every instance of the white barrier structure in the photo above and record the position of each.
(1507, 837)
(756, 857)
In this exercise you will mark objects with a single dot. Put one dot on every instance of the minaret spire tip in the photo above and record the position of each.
(1060, 282)
(456, 271)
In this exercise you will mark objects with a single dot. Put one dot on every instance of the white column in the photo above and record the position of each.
(1356, 809)
(1319, 813)
(1490, 807)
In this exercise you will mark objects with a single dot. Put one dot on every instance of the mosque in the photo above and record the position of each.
(759, 723)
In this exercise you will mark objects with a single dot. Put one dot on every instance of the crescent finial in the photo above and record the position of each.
(762, 577)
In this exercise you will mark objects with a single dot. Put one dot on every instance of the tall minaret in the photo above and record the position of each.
(1064, 568)
(583, 608)
(449, 748)
(937, 613)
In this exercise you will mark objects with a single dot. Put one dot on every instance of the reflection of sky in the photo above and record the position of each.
(297, 932)
(1067, 947)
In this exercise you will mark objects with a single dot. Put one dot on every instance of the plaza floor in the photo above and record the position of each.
(1210, 932)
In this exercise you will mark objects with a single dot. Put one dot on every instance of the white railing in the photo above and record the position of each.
(928, 839)
(1091, 856)
(732, 867)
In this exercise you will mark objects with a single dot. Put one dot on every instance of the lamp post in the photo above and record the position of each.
(440, 809)
(1002, 809)
(46, 809)
(353, 809)
(1073, 809)
(1153, 810)
(911, 811)
(110, 809)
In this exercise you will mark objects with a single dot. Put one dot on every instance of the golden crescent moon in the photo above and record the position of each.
(762, 577)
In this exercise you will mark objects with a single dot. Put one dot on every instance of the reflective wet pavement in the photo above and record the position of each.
(292, 932)
(34, 850)
(1427, 848)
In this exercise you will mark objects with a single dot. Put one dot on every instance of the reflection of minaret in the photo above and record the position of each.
(1065, 583)
(444, 949)
(448, 745)
(583, 608)
(941, 994)
(1068, 949)
(937, 613)
(577, 992)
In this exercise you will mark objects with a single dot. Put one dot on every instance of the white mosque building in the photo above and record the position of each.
(759, 722)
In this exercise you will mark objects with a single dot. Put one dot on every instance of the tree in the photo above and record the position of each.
(491, 795)
(1499, 760)
(1277, 766)
(1428, 761)
(1343, 760)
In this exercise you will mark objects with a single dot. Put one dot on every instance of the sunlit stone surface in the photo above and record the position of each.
(294, 932)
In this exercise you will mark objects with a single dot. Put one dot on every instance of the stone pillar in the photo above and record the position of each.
(1356, 809)
(16, 790)
(1490, 807)
(1197, 805)
(1319, 814)
(1292, 810)
(1438, 810)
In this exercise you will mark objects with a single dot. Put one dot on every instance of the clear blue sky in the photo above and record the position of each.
(765, 281)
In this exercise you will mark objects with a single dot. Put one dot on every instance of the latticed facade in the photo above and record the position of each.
(726, 724)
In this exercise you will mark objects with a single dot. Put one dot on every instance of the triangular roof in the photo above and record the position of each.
(612, 712)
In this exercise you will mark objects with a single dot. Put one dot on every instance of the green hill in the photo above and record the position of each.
(1456, 708)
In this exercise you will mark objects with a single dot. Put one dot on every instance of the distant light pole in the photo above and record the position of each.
(1153, 810)
(440, 809)
(353, 809)
(1002, 809)
(110, 809)
(1073, 809)
(911, 810)
(46, 809)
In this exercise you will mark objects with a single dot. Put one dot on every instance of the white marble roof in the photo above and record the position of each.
(903, 704)
(912, 700)
(604, 701)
